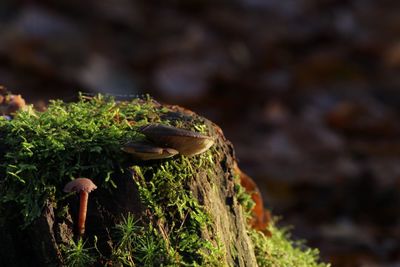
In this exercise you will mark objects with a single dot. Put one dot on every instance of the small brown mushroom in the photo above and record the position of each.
(83, 186)
(147, 151)
(188, 143)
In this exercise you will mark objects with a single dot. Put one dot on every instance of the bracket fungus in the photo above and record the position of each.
(83, 186)
(147, 151)
(188, 143)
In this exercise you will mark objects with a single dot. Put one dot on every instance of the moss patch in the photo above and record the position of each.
(177, 214)
(44, 150)
(83, 139)
(277, 250)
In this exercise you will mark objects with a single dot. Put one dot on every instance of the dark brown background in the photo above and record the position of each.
(307, 91)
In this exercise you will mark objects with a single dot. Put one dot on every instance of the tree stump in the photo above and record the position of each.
(181, 210)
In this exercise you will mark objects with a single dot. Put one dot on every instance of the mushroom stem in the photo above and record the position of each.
(83, 197)
(84, 186)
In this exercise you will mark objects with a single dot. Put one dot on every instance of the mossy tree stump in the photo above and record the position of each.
(179, 211)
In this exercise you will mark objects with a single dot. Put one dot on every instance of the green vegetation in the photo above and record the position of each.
(66, 141)
(76, 255)
(127, 234)
(84, 139)
(177, 214)
(137, 245)
(279, 251)
(45, 150)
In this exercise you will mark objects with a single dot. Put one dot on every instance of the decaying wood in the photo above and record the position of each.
(39, 244)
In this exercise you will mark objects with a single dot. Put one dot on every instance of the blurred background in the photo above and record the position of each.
(307, 91)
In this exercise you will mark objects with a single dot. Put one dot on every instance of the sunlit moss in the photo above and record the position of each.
(279, 251)
(47, 149)
(44, 150)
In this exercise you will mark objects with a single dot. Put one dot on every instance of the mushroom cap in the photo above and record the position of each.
(148, 151)
(80, 184)
(188, 143)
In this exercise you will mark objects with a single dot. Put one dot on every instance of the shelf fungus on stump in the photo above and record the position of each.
(148, 151)
(187, 142)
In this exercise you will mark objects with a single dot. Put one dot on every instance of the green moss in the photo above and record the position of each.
(177, 214)
(76, 255)
(44, 150)
(47, 149)
(139, 245)
(279, 251)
